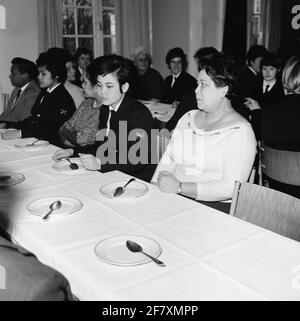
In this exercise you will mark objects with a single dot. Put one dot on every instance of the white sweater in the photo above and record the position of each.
(212, 159)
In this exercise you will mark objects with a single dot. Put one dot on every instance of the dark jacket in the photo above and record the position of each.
(114, 150)
(183, 84)
(280, 124)
(187, 103)
(48, 114)
(24, 278)
(265, 100)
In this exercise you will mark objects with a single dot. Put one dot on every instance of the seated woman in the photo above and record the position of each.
(212, 147)
(124, 125)
(179, 82)
(74, 90)
(280, 122)
(267, 90)
(52, 108)
(82, 58)
(82, 127)
(149, 84)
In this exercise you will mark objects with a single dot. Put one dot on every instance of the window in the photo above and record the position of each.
(90, 24)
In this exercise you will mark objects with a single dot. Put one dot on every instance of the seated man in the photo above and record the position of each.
(23, 74)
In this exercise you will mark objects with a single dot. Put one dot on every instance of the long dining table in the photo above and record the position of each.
(208, 254)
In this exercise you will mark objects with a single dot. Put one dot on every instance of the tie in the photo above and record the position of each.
(17, 97)
(267, 89)
(18, 94)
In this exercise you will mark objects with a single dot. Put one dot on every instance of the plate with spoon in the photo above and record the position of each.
(32, 144)
(69, 166)
(124, 189)
(128, 250)
(55, 206)
(10, 178)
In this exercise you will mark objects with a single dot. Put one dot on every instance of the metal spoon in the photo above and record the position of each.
(5, 178)
(72, 165)
(31, 144)
(53, 207)
(121, 189)
(135, 247)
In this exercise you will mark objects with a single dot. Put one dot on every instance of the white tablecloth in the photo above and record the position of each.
(209, 255)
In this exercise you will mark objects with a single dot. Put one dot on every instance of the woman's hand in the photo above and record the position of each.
(167, 182)
(62, 153)
(11, 134)
(252, 104)
(90, 162)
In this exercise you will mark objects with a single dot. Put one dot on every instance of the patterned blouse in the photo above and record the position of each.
(82, 127)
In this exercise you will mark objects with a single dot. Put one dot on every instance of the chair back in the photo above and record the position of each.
(268, 208)
(280, 165)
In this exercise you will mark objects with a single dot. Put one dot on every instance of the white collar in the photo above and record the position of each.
(270, 84)
(50, 90)
(24, 87)
(176, 76)
(80, 70)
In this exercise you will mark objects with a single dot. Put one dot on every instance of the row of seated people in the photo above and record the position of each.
(201, 164)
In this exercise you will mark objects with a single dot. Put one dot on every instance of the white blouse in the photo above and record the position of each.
(213, 159)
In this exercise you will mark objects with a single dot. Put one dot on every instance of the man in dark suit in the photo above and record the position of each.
(179, 82)
(23, 75)
(249, 75)
(124, 124)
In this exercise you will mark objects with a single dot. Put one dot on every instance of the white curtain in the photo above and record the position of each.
(50, 27)
(134, 25)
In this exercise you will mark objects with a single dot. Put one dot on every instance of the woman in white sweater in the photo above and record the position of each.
(212, 147)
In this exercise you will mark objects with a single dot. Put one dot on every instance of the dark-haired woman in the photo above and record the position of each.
(179, 82)
(124, 123)
(212, 147)
(52, 107)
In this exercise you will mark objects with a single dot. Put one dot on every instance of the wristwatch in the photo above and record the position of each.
(179, 190)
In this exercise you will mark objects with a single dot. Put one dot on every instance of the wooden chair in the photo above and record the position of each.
(279, 165)
(268, 208)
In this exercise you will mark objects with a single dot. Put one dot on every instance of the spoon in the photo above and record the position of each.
(5, 178)
(72, 165)
(53, 207)
(31, 144)
(135, 247)
(121, 189)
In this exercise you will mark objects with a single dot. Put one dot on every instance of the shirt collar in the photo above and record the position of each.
(176, 76)
(24, 87)
(116, 108)
(50, 90)
(270, 84)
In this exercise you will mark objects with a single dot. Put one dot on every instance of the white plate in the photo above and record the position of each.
(42, 206)
(63, 166)
(133, 190)
(25, 144)
(114, 251)
(15, 178)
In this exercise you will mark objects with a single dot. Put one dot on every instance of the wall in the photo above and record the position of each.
(170, 27)
(189, 24)
(20, 39)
